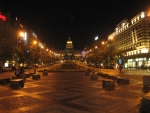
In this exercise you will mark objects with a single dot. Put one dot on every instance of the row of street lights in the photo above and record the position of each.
(99, 51)
(22, 41)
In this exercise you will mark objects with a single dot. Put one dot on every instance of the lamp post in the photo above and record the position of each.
(34, 70)
(20, 37)
(22, 34)
(104, 50)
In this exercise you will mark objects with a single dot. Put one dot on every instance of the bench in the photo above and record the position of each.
(105, 75)
(31, 73)
(16, 83)
(109, 76)
(108, 84)
(14, 77)
(121, 80)
(27, 75)
(145, 104)
(45, 72)
(5, 81)
(35, 76)
(94, 76)
(113, 77)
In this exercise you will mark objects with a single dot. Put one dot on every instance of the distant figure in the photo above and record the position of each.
(22, 74)
(17, 73)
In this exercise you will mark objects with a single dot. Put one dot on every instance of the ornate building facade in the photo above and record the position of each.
(69, 51)
(131, 40)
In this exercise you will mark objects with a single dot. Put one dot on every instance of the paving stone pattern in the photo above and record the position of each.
(70, 92)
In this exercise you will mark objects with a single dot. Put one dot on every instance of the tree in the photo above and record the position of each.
(22, 53)
(6, 50)
(34, 53)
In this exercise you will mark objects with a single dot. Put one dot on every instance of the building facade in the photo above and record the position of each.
(69, 51)
(7, 39)
(131, 41)
(14, 35)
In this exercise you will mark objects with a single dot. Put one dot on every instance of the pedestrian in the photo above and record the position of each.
(17, 73)
(120, 68)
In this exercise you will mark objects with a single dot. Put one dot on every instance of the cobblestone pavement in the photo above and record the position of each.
(70, 92)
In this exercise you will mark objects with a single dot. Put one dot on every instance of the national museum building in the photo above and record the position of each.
(131, 40)
(69, 51)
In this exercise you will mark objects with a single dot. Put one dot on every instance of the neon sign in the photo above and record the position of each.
(2, 17)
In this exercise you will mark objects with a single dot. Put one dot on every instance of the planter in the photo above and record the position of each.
(146, 81)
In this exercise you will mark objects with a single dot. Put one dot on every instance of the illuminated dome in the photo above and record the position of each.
(69, 44)
(69, 51)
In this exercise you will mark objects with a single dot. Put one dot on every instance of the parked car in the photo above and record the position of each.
(29, 67)
(7, 69)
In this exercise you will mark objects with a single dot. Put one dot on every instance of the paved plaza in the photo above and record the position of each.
(73, 92)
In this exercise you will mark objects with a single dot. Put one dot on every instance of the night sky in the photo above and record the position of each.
(55, 20)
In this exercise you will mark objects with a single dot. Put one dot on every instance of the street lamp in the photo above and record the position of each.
(23, 35)
(34, 42)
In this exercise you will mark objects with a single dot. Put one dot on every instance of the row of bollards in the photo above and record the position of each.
(19, 82)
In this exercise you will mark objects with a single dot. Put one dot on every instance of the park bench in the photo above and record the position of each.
(122, 80)
(16, 83)
(5, 81)
(145, 104)
(108, 84)
(35, 76)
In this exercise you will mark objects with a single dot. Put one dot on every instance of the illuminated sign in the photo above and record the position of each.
(120, 61)
(2, 17)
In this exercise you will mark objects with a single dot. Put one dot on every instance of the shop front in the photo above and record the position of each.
(142, 63)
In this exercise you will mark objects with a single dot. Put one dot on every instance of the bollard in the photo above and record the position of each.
(34, 70)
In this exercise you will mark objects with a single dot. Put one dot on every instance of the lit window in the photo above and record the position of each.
(132, 22)
(129, 53)
(134, 52)
(142, 15)
(135, 20)
(144, 51)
